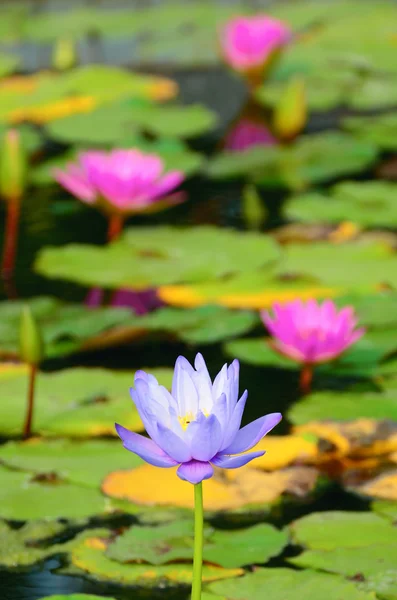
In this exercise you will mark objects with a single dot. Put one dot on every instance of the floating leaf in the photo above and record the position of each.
(311, 159)
(361, 360)
(247, 486)
(174, 541)
(255, 545)
(385, 509)
(22, 498)
(382, 486)
(343, 406)
(91, 558)
(77, 402)
(66, 328)
(337, 529)
(152, 256)
(113, 124)
(31, 543)
(380, 130)
(283, 584)
(370, 204)
(368, 560)
(84, 463)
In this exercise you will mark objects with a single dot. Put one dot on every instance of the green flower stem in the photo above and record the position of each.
(198, 541)
(27, 429)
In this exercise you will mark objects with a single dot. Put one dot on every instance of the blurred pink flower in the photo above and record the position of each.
(246, 134)
(121, 181)
(248, 43)
(311, 333)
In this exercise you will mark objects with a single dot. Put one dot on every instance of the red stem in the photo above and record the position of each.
(116, 223)
(27, 429)
(306, 378)
(10, 238)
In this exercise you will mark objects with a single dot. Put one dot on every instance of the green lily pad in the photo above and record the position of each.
(336, 529)
(114, 124)
(366, 264)
(373, 310)
(202, 325)
(343, 406)
(66, 328)
(385, 508)
(317, 158)
(152, 256)
(174, 541)
(311, 159)
(76, 402)
(255, 545)
(380, 130)
(91, 559)
(287, 584)
(22, 499)
(362, 359)
(370, 204)
(368, 560)
(84, 463)
(31, 543)
(8, 64)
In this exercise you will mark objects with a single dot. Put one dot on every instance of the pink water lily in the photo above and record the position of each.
(247, 134)
(250, 43)
(311, 333)
(121, 181)
(197, 425)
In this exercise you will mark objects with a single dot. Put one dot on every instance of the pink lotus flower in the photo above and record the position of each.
(310, 333)
(246, 134)
(249, 43)
(121, 182)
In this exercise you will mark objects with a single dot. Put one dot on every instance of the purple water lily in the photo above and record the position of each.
(197, 425)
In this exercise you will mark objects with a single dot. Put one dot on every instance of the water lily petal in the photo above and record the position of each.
(233, 462)
(195, 471)
(144, 447)
(172, 444)
(206, 438)
(250, 435)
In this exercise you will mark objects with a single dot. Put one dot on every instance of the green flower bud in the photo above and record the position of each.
(31, 347)
(290, 114)
(13, 166)
(64, 55)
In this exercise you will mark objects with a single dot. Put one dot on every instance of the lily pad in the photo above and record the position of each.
(84, 463)
(361, 360)
(286, 584)
(370, 204)
(385, 509)
(380, 130)
(31, 543)
(22, 498)
(343, 406)
(336, 529)
(311, 159)
(368, 560)
(246, 487)
(75, 402)
(113, 124)
(174, 541)
(66, 328)
(90, 558)
(152, 256)
(8, 64)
